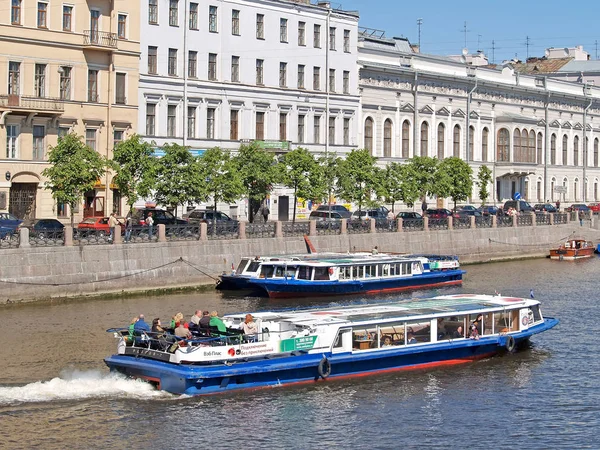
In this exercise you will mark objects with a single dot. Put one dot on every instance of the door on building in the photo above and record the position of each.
(22, 201)
(94, 206)
(283, 208)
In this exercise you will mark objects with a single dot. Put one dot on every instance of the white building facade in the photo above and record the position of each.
(220, 73)
(529, 130)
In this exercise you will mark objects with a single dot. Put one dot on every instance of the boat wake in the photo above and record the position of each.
(80, 385)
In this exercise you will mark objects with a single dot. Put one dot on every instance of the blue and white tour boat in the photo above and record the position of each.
(311, 345)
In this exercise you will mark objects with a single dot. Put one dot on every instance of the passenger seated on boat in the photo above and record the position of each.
(175, 321)
(141, 324)
(205, 321)
(250, 328)
(410, 338)
(458, 333)
(474, 329)
(129, 339)
(157, 329)
(441, 327)
(216, 322)
(182, 331)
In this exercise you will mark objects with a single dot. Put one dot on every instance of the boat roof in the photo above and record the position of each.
(352, 258)
(441, 306)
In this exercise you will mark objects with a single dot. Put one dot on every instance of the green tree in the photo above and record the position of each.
(258, 173)
(177, 177)
(133, 164)
(459, 178)
(298, 171)
(484, 177)
(326, 184)
(358, 177)
(391, 181)
(424, 171)
(410, 190)
(74, 169)
(223, 180)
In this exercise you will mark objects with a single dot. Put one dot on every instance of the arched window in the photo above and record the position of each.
(503, 145)
(424, 138)
(553, 149)
(576, 189)
(517, 156)
(540, 148)
(565, 144)
(531, 147)
(369, 135)
(456, 141)
(387, 138)
(441, 134)
(471, 143)
(405, 138)
(484, 144)
(576, 151)
(596, 152)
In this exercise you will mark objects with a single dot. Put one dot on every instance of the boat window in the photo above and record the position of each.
(253, 267)
(346, 273)
(370, 271)
(407, 268)
(537, 315)
(488, 323)
(452, 327)
(304, 273)
(385, 270)
(361, 271)
(364, 338)
(285, 271)
(242, 265)
(321, 273)
(507, 321)
(267, 271)
(418, 332)
(392, 334)
(279, 272)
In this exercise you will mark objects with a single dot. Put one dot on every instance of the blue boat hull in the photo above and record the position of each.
(292, 287)
(233, 282)
(304, 368)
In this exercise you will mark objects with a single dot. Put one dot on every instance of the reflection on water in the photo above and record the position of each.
(55, 391)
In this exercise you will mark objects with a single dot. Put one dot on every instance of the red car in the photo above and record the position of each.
(595, 207)
(97, 223)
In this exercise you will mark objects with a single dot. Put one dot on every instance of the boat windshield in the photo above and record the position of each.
(242, 265)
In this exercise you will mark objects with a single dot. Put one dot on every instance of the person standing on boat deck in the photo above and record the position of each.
(205, 321)
(141, 324)
(250, 328)
(375, 251)
(216, 322)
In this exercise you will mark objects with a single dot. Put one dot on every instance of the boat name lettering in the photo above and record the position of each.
(256, 349)
(211, 353)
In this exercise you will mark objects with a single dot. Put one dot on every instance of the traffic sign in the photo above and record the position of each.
(517, 196)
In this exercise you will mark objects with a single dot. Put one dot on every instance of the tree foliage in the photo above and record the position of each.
(484, 177)
(458, 178)
(409, 190)
(423, 169)
(74, 169)
(328, 175)
(358, 177)
(391, 183)
(300, 171)
(133, 164)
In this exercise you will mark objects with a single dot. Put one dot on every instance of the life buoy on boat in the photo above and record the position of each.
(324, 368)
(510, 343)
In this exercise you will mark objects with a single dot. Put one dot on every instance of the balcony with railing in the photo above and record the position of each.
(31, 104)
(99, 40)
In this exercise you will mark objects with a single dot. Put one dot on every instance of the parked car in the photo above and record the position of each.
(364, 214)
(467, 208)
(159, 216)
(408, 215)
(42, 228)
(326, 219)
(489, 210)
(9, 224)
(438, 213)
(595, 207)
(99, 224)
(340, 209)
(578, 207)
(466, 213)
(520, 205)
(545, 207)
(209, 216)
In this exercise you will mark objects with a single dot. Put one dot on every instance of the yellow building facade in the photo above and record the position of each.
(65, 66)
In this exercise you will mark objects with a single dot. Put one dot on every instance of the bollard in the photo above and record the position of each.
(399, 225)
(514, 220)
(203, 231)
(533, 219)
(117, 237)
(68, 236)
(425, 223)
(162, 236)
(551, 222)
(344, 226)
(472, 223)
(450, 220)
(494, 221)
(242, 230)
(278, 229)
(312, 227)
(24, 238)
(372, 228)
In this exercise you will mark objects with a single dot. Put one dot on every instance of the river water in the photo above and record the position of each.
(55, 391)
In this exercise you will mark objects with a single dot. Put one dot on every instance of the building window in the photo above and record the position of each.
(484, 144)
(369, 135)
(576, 151)
(553, 149)
(301, 34)
(173, 13)
(15, 12)
(503, 145)
(235, 22)
(565, 145)
(67, 17)
(210, 123)
(150, 119)
(517, 146)
(62, 210)
(92, 86)
(531, 147)
(39, 135)
(260, 63)
(283, 126)
(540, 148)
(456, 142)
(173, 62)
(212, 66)
(471, 143)
(122, 26)
(90, 138)
(235, 69)
(62, 132)
(171, 120)
(40, 80)
(346, 131)
(120, 97)
(346, 82)
(153, 11)
(12, 139)
(14, 78)
(233, 124)
(405, 138)
(117, 137)
(441, 134)
(387, 138)
(192, 64)
(317, 130)
(212, 19)
(193, 16)
(152, 57)
(424, 138)
(332, 130)
(317, 36)
(191, 122)
(300, 76)
(42, 15)
(260, 26)
(347, 41)
(317, 78)
(283, 31)
(94, 26)
(65, 82)
(331, 38)
(596, 152)
(260, 125)
(301, 121)
(331, 80)
(282, 74)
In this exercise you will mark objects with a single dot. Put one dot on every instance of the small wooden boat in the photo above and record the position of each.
(573, 249)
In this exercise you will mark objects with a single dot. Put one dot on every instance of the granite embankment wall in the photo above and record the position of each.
(40, 273)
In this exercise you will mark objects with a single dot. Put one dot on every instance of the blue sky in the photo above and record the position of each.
(548, 23)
